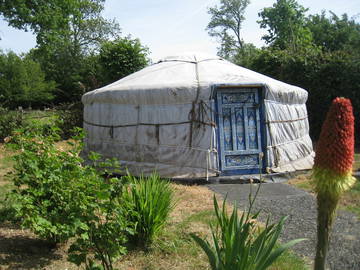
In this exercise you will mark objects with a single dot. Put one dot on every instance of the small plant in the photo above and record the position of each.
(237, 244)
(149, 202)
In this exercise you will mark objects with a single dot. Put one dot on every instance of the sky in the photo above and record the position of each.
(169, 27)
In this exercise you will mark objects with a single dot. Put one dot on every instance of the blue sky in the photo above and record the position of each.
(169, 27)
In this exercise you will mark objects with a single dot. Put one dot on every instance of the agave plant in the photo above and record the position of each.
(238, 245)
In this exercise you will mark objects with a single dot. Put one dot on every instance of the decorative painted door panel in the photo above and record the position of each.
(239, 129)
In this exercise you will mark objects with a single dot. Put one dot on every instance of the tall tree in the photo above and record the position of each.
(22, 82)
(335, 33)
(285, 22)
(225, 24)
(67, 31)
(122, 57)
(77, 20)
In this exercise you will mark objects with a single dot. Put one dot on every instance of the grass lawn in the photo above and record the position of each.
(174, 249)
(37, 117)
(350, 199)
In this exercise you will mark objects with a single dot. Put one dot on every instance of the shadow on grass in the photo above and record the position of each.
(20, 250)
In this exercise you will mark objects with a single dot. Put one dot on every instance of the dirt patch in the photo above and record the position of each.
(20, 249)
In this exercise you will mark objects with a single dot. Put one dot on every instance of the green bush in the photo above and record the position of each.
(70, 117)
(45, 180)
(237, 245)
(57, 197)
(103, 227)
(9, 121)
(149, 201)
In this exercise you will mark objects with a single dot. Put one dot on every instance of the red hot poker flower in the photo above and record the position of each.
(335, 149)
(332, 172)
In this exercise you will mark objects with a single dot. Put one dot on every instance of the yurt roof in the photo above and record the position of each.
(177, 79)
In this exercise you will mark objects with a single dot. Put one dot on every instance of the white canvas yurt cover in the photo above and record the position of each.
(198, 116)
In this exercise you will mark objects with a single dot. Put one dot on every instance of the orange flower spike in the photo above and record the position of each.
(335, 150)
(332, 172)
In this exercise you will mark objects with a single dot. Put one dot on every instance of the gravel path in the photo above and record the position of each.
(284, 200)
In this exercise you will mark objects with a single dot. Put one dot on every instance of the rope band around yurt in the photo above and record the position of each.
(112, 127)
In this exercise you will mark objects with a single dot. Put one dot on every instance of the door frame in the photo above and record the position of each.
(262, 128)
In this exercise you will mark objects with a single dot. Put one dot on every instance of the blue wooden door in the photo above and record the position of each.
(239, 130)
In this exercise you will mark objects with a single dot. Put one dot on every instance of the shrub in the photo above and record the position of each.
(149, 201)
(70, 117)
(103, 228)
(44, 179)
(57, 198)
(237, 244)
(9, 121)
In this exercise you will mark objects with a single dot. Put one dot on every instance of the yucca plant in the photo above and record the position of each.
(149, 201)
(238, 244)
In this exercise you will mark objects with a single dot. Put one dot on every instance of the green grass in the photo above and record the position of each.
(39, 118)
(175, 249)
(351, 199)
(4, 189)
(306, 185)
(5, 186)
(288, 260)
(206, 217)
(5, 164)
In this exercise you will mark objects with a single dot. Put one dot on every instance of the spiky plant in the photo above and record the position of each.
(149, 201)
(332, 172)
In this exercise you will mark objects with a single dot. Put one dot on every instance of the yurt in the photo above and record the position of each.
(195, 116)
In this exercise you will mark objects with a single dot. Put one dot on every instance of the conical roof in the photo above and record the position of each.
(177, 79)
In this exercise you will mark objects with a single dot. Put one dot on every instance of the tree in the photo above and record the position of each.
(244, 57)
(225, 24)
(285, 22)
(335, 33)
(77, 20)
(67, 32)
(122, 57)
(325, 75)
(36, 15)
(22, 82)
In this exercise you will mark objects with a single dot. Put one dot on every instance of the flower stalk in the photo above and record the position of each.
(332, 172)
